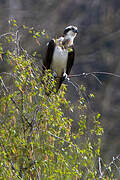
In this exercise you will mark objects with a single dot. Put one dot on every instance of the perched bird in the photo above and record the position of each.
(60, 55)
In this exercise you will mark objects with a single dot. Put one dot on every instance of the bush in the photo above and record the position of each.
(36, 140)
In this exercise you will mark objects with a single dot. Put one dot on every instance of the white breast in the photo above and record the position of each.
(59, 62)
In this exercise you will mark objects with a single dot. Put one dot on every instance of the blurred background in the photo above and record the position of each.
(97, 50)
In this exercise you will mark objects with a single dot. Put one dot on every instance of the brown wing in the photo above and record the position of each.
(49, 55)
(70, 61)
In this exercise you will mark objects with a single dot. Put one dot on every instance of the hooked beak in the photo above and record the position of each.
(75, 31)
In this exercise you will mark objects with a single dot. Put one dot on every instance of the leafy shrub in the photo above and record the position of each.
(36, 140)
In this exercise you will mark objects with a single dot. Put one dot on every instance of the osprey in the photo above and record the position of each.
(60, 55)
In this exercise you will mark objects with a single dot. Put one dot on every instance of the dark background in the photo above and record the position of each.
(97, 49)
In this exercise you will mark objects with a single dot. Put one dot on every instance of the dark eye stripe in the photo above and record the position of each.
(66, 30)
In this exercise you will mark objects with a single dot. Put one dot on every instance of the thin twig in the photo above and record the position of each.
(69, 81)
(99, 165)
(6, 34)
(86, 74)
(12, 164)
(94, 75)
(9, 74)
(57, 137)
(96, 78)
(7, 92)
(109, 165)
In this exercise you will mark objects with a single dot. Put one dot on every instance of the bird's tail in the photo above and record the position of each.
(58, 83)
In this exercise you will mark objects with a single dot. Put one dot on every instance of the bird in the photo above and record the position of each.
(60, 55)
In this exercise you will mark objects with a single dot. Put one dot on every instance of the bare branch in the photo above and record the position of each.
(109, 165)
(7, 92)
(99, 166)
(86, 74)
(6, 34)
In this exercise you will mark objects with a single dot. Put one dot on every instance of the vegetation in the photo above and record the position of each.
(36, 136)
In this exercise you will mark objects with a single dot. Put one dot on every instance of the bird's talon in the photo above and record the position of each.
(65, 75)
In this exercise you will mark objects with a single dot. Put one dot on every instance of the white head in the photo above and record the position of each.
(70, 33)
